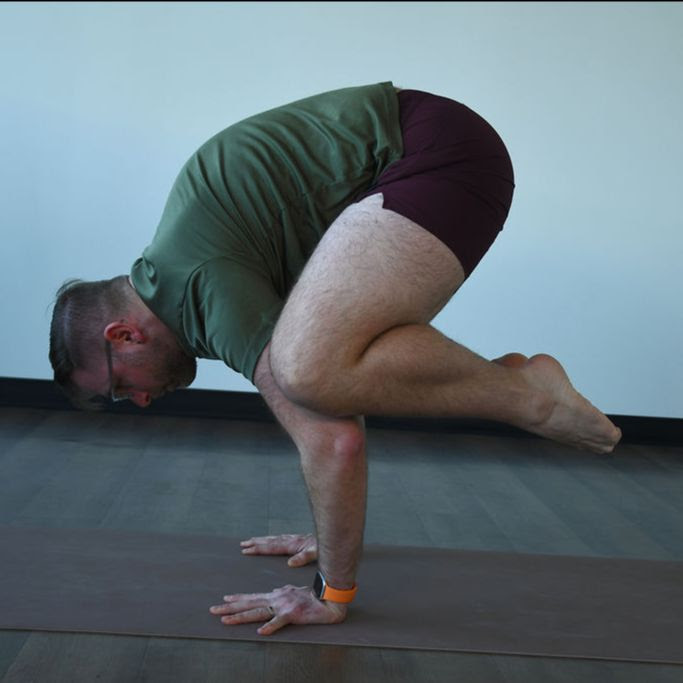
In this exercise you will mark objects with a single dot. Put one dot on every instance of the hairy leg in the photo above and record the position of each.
(354, 338)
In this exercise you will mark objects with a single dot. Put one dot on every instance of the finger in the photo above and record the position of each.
(261, 597)
(239, 603)
(283, 544)
(263, 547)
(272, 547)
(248, 616)
(229, 608)
(258, 549)
(252, 541)
(251, 550)
(256, 539)
(268, 540)
(275, 624)
(245, 596)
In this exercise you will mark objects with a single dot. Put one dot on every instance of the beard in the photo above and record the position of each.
(168, 365)
(175, 366)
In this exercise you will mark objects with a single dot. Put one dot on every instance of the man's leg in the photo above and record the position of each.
(354, 338)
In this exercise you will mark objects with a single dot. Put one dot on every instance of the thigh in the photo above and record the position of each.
(374, 269)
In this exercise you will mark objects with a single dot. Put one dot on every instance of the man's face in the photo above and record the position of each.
(144, 372)
(140, 372)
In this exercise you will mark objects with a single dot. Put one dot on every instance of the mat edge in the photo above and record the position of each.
(288, 641)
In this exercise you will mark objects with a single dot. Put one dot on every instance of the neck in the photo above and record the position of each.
(146, 317)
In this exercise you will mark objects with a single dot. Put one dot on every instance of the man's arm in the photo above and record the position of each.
(334, 465)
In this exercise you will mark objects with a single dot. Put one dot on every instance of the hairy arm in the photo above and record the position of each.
(334, 465)
(333, 461)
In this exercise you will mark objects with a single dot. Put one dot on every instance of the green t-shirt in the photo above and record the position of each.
(247, 210)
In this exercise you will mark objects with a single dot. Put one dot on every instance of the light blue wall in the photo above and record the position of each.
(102, 103)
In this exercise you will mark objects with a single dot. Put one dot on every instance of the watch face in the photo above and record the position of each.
(318, 585)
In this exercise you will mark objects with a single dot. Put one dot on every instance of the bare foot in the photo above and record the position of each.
(571, 419)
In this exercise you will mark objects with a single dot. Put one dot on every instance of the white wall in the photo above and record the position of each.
(101, 103)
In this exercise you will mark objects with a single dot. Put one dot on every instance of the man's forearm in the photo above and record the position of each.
(334, 464)
(337, 485)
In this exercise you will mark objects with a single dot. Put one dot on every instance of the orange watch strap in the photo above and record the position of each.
(323, 591)
(337, 595)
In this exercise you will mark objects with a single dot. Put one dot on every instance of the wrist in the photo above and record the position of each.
(328, 593)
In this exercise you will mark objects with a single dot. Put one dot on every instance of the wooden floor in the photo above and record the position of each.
(231, 478)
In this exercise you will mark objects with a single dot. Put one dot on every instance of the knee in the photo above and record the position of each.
(289, 369)
(303, 376)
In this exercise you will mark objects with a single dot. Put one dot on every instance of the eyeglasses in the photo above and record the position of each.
(113, 397)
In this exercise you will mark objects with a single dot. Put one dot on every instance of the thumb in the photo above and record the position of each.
(300, 559)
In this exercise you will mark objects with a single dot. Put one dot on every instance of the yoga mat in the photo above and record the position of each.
(118, 582)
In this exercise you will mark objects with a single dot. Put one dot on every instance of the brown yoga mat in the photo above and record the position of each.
(104, 581)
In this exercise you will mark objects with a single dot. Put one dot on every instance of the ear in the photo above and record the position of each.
(119, 333)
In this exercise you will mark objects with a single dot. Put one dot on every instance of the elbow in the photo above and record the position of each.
(341, 445)
(349, 442)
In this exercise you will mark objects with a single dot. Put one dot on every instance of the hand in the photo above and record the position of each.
(303, 549)
(287, 605)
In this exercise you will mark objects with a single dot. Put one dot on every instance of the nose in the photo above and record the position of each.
(141, 398)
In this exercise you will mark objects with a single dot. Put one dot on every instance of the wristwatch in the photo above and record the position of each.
(323, 591)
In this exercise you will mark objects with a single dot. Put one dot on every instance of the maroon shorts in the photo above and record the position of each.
(455, 177)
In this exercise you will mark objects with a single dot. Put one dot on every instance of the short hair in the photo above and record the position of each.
(81, 312)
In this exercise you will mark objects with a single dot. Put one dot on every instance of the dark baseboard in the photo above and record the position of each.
(238, 405)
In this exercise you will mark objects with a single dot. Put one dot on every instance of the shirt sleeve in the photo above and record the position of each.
(229, 313)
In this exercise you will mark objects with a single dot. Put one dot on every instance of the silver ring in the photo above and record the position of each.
(270, 610)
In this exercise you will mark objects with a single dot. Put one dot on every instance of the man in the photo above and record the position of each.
(309, 247)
